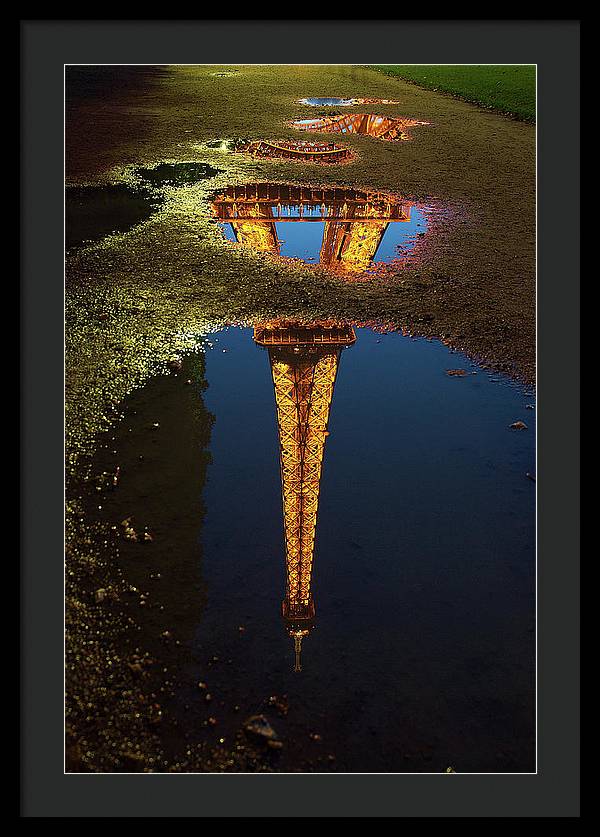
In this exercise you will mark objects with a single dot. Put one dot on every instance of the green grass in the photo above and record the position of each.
(506, 88)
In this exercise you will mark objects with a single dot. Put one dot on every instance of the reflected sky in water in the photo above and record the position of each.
(303, 240)
(423, 573)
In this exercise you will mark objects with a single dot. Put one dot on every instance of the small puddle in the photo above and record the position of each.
(342, 103)
(177, 174)
(391, 129)
(300, 150)
(348, 231)
(93, 212)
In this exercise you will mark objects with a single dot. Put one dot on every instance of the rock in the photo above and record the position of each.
(100, 595)
(456, 373)
(518, 425)
(259, 728)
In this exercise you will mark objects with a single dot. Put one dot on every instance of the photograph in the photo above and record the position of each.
(300, 418)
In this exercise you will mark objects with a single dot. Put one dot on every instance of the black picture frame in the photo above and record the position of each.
(46, 46)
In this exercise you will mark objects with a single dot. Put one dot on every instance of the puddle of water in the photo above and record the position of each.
(415, 606)
(225, 74)
(400, 577)
(176, 174)
(348, 231)
(390, 129)
(93, 212)
(332, 101)
(303, 151)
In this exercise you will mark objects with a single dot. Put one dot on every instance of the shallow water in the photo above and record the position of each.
(176, 174)
(93, 212)
(330, 101)
(421, 654)
(351, 232)
(389, 129)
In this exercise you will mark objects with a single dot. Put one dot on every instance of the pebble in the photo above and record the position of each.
(518, 425)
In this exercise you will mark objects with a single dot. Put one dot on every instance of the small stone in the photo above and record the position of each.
(456, 373)
(518, 425)
(100, 595)
(259, 728)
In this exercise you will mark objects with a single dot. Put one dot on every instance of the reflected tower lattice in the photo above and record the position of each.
(354, 221)
(304, 361)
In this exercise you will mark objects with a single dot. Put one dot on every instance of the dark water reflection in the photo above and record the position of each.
(419, 613)
(422, 650)
(93, 212)
(388, 128)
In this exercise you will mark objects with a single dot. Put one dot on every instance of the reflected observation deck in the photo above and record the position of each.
(388, 128)
(354, 221)
(304, 360)
(301, 150)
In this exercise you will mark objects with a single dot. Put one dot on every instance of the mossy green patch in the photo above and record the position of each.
(509, 88)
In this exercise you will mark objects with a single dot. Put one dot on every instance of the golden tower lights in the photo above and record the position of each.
(304, 360)
(354, 221)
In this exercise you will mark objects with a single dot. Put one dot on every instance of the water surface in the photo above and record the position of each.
(93, 212)
(422, 654)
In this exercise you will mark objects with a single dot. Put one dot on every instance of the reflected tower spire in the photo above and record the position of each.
(304, 361)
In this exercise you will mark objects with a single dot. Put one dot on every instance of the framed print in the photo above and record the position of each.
(298, 307)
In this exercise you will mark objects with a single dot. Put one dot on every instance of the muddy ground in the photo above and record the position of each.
(136, 300)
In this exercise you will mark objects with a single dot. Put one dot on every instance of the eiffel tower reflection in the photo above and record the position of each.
(304, 361)
(354, 221)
